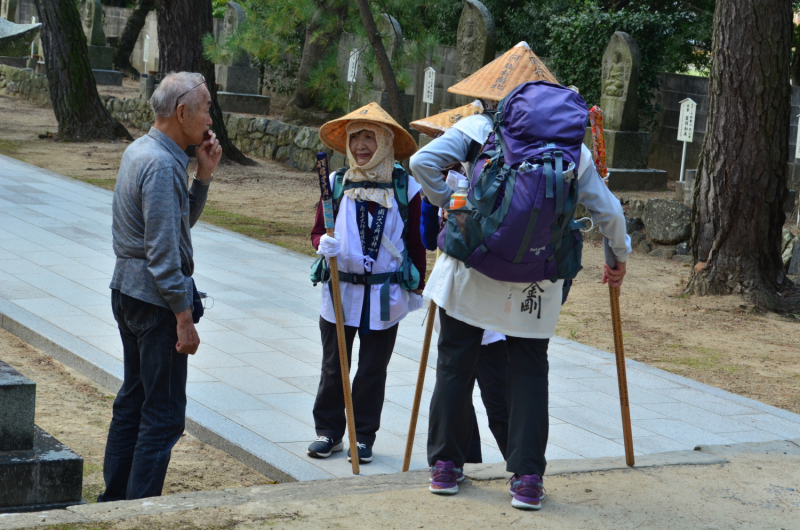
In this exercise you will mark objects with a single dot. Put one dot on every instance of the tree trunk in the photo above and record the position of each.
(315, 46)
(796, 56)
(78, 108)
(738, 218)
(181, 26)
(384, 64)
(127, 41)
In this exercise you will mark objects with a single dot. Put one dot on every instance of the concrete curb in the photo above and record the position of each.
(587, 465)
(299, 491)
(207, 425)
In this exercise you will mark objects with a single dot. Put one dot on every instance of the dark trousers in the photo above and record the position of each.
(450, 421)
(491, 376)
(150, 408)
(369, 385)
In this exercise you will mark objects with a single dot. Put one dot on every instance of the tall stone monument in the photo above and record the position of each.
(475, 38)
(392, 34)
(237, 77)
(37, 472)
(238, 81)
(101, 56)
(627, 148)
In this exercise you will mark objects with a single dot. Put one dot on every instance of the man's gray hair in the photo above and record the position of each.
(165, 98)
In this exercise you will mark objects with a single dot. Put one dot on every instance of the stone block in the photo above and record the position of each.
(305, 159)
(665, 253)
(667, 222)
(306, 138)
(627, 149)
(233, 126)
(47, 476)
(288, 134)
(633, 224)
(17, 409)
(260, 125)
(794, 262)
(636, 179)
(16, 62)
(243, 102)
(107, 77)
(237, 79)
(101, 57)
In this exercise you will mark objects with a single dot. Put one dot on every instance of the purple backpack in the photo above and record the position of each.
(518, 224)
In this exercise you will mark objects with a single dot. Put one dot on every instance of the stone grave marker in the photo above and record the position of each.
(238, 81)
(475, 38)
(101, 56)
(618, 99)
(237, 77)
(392, 34)
(37, 472)
(627, 148)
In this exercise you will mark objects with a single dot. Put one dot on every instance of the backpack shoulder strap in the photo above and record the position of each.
(400, 181)
(338, 189)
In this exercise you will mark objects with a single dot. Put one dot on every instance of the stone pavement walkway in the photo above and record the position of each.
(252, 382)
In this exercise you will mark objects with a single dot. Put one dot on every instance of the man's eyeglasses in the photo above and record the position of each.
(179, 97)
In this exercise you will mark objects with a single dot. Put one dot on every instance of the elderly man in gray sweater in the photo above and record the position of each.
(152, 291)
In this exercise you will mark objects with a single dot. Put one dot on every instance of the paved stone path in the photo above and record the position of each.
(252, 382)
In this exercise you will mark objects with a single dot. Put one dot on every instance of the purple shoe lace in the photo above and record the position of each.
(527, 488)
(444, 475)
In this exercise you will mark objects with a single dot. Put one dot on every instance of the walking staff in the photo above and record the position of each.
(596, 119)
(326, 197)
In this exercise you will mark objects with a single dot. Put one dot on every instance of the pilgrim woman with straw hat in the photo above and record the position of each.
(381, 264)
(471, 302)
(490, 371)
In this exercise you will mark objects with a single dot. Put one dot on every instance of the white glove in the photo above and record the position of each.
(329, 246)
(415, 301)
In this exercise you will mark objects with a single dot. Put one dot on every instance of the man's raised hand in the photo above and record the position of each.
(208, 153)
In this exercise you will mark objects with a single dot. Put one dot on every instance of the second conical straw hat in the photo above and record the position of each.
(498, 78)
(435, 125)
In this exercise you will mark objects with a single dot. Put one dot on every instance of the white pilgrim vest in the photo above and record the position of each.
(352, 260)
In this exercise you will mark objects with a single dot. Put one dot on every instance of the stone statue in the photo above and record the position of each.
(392, 35)
(92, 17)
(620, 81)
(475, 40)
(234, 15)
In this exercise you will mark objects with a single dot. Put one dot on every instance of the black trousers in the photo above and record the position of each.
(491, 376)
(450, 421)
(369, 385)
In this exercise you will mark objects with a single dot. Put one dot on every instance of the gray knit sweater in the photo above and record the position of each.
(153, 210)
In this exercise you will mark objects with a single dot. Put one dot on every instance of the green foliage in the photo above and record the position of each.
(218, 8)
(579, 38)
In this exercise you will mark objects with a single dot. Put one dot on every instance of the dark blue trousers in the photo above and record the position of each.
(150, 409)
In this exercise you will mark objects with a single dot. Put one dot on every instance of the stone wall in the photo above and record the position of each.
(263, 137)
(24, 83)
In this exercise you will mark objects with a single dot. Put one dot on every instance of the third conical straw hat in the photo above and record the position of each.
(495, 80)
(439, 123)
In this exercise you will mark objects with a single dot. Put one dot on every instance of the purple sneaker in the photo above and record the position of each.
(445, 478)
(528, 492)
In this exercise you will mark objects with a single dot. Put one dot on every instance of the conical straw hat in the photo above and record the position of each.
(495, 80)
(439, 123)
(334, 133)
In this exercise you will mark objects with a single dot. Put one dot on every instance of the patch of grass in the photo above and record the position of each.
(282, 234)
(106, 184)
(8, 148)
(708, 359)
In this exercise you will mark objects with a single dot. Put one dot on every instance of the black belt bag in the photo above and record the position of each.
(197, 304)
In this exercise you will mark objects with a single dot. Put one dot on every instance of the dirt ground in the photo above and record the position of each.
(77, 411)
(752, 491)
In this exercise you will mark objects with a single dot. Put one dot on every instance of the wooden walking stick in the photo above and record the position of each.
(596, 118)
(423, 364)
(327, 209)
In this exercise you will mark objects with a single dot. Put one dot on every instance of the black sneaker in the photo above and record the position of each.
(364, 453)
(323, 447)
